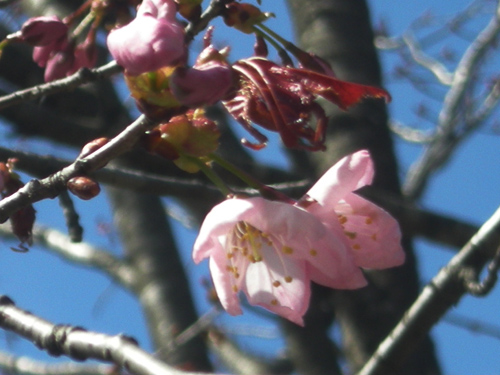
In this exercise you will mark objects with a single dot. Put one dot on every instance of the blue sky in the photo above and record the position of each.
(467, 187)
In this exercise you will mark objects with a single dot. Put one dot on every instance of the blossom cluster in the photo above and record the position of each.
(268, 249)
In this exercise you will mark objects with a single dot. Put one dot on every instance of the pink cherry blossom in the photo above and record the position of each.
(152, 40)
(373, 235)
(271, 251)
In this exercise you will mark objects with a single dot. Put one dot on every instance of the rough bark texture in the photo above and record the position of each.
(340, 32)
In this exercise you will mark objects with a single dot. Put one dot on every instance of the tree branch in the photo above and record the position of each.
(448, 132)
(27, 366)
(442, 293)
(50, 187)
(79, 344)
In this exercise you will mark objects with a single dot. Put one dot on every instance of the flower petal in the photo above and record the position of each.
(224, 283)
(147, 44)
(373, 234)
(350, 173)
(278, 284)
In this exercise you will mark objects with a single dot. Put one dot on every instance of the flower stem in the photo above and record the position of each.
(264, 190)
(289, 46)
(212, 176)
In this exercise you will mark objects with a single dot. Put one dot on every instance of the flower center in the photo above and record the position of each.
(248, 241)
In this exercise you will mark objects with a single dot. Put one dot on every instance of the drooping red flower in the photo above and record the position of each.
(283, 99)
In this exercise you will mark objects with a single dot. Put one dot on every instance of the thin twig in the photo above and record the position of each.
(75, 230)
(473, 325)
(73, 81)
(50, 187)
(447, 136)
(434, 66)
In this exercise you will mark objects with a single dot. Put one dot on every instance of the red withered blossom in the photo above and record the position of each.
(283, 99)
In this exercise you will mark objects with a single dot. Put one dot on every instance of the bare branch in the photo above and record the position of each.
(410, 134)
(75, 230)
(79, 344)
(27, 366)
(415, 221)
(442, 293)
(448, 133)
(473, 325)
(431, 64)
(50, 187)
(242, 362)
(75, 80)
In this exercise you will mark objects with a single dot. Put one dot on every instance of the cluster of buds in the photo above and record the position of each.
(55, 49)
(255, 90)
(184, 139)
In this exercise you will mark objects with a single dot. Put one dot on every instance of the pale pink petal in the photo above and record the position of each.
(224, 283)
(278, 281)
(147, 44)
(335, 268)
(373, 234)
(350, 173)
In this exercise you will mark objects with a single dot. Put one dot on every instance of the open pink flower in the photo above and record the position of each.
(152, 40)
(373, 235)
(271, 251)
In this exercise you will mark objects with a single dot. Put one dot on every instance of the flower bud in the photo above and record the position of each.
(41, 31)
(92, 146)
(183, 138)
(83, 187)
(244, 16)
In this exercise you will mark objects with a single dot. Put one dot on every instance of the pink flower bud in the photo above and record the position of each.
(41, 31)
(206, 85)
(60, 64)
(152, 40)
(209, 81)
(42, 54)
(85, 55)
